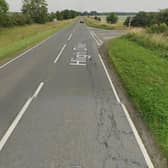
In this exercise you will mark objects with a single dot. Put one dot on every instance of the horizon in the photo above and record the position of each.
(148, 6)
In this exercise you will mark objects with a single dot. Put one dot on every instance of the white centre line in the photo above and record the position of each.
(14, 124)
(19, 117)
(70, 36)
(137, 136)
(38, 90)
(24, 53)
(60, 53)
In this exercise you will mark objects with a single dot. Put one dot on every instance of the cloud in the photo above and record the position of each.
(99, 5)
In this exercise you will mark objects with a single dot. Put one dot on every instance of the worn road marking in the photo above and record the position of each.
(80, 55)
(70, 36)
(19, 117)
(137, 136)
(60, 53)
(98, 41)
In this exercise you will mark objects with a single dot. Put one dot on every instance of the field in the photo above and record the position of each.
(16, 39)
(121, 19)
(144, 73)
(103, 25)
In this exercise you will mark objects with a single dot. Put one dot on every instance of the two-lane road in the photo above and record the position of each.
(58, 109)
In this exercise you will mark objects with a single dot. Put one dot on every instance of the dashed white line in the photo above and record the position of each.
(19, 117)
(137, 136)
(38, 90)
(60, 53)
(70, 36)
(14, 124)
(24, 53)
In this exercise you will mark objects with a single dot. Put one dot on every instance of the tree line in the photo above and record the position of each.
(146, 19)
(33, 11)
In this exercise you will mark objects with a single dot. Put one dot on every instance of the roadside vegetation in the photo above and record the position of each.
(141, 60)
(144, 73)
(22, 30)
(33, 11)
(92, 22)
(147, 19)
(17, 39)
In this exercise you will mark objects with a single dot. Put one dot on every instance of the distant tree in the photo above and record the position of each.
(112, 18)
(94, 13)
(85, 13)
(66, 14)
(36, 9)
(3, 7)
(142, 19)
(59, 15)
(163, 16)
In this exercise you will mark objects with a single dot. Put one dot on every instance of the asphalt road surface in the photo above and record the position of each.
(58, 109)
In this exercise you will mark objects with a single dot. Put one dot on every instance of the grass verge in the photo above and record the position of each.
(17, 39)
(97, 24)
(145, 76)
(156, 42)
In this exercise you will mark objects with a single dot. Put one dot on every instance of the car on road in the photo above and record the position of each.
(81, 21)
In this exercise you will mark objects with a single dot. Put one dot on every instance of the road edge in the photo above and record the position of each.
(149, 141)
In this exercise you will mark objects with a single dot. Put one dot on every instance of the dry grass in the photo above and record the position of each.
(15, 40)
(103, 25)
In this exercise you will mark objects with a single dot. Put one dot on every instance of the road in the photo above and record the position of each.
(58, 109)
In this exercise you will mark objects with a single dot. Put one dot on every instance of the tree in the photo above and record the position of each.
(112, 18)
(3, 7)
(163, 16)
(36, 9)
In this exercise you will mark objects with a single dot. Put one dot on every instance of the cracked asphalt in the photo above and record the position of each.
(73, 119)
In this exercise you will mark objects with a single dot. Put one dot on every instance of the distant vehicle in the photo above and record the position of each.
(81, 21)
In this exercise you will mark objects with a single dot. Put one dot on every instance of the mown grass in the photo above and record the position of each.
(145, 75)
(102, 25)
(16, 39)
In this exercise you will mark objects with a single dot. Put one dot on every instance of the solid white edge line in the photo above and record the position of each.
(14, 124)
(38, 90)
(109, 78)
(27, 51)
(70, 36)
(19, 117)
(60, 53)
(137, 136)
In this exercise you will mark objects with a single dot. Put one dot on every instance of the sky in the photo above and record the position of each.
(99, 5)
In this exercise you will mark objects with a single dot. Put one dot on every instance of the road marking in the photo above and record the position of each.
(70, 36)
(24, 53)
(14, 124)
(95, 39)
(98, 41)
(60, 53)
(38, 90)
(19, 117)
(137, 136)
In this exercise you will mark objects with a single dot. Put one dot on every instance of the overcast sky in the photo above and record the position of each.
(99, 5)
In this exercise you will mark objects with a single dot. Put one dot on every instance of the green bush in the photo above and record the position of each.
(6, 20)
(112, 18)
(162, 28)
